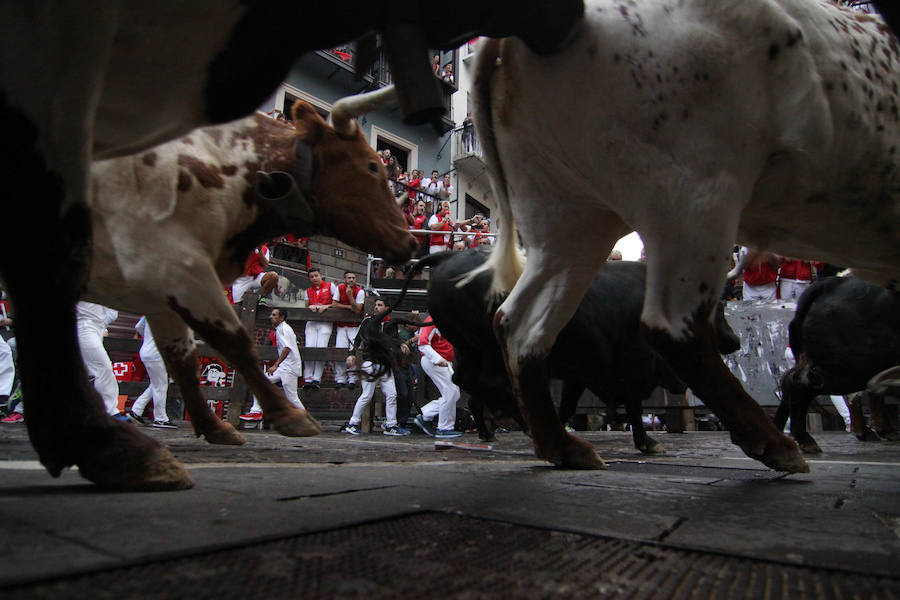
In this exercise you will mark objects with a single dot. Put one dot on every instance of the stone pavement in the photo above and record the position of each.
(702, 494)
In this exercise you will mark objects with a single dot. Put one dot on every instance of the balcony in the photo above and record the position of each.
(466, 152)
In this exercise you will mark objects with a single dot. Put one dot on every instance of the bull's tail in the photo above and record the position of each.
(506, 261)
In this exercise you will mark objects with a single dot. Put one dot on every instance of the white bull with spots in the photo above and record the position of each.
(697, 123)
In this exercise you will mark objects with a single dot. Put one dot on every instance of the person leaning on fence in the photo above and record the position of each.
(375, 351)
(7, 379)
(437, 362)
(350, 296)
(760, 275)
(159, 381)
(319, 297)
(285, 369)
(255, 277)
(419, 220)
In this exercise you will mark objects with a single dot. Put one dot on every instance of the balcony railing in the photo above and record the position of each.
(465, 144)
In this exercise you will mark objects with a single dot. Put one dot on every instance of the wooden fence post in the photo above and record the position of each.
(239, 393)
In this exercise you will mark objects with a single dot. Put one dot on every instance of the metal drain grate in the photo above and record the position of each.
(441, 555)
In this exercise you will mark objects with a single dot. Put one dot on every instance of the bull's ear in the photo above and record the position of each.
(307, 121)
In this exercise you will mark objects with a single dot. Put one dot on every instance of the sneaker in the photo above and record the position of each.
(570, 429)
(447, 433)
(263, 301)
(351, 429)
(339, 386)
(14, 417)
(307, 385)
(501, 430)
(351, 385)
(164, 424)
(136, 417)
(396, 430)
(426, 427)
(316, 385)
(253, 416)
(122, 417)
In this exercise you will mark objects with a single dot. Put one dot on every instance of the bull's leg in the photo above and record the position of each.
(476, 405)
(542, 302)
(213, 318)
(642, 441)
(66, 421)
(795, 400)
(886, 383)
(176, 344)
(858, 425)
(685, 275)
(568, 403)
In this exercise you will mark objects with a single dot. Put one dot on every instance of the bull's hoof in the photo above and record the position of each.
(868, 435)
(119, 457)
(297, 423)
(781, 454)
(808, 445)
(225, 435)
(651, 447)
(488, 438)
(891, 436)
(575, 454)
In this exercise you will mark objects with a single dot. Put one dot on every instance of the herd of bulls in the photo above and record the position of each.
(773, 122)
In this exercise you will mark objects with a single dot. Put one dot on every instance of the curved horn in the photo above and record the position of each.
(346, 109)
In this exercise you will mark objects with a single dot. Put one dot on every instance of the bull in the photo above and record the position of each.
(845, 333)
(79, 84)
(599, 349)
(698, 123)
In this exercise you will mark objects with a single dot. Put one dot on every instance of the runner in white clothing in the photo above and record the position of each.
(92, 322)
(286, 367)
(159, 380)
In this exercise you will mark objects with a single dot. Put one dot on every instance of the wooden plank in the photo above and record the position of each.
(136, 388)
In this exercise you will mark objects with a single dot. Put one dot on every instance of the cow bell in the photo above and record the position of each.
(278, 192)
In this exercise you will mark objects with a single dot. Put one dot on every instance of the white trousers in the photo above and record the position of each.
(98, 366)
(317, 335)
(344, 339)
(288, 381)
(444, 407)
(792, 288)
(841, 406)
(368, 391)
(243, 284)
(7, 368)
(759, 292)
(158, 390)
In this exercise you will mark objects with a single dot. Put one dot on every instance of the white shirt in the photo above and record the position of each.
(149, 351)
(94, 318)
(286, 338)
(431, 186)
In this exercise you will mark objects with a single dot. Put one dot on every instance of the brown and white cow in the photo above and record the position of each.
(175, 222)
(697, 123)
(85, 82)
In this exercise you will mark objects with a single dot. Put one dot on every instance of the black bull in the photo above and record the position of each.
(600, 349)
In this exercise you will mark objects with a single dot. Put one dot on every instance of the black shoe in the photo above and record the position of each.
(316, 385)
(308, 385)
(136, 417)
(339, 386)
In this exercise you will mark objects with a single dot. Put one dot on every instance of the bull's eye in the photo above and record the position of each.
(373, 167)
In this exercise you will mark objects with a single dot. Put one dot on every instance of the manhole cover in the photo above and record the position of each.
(449, 556)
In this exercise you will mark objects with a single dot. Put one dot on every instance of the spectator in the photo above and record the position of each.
(400, 184)
(371, 325)
(459, 246)
(614, 255)
(92, 320)
(445, 191)
(468, 134)
(350, 296)
(447, 75)
(319, 297)
(437, 362)
(795, 275)
(159, 381)
(418, 220)
(255, 277)
(436, 64)
(414, 181)
(286, 367)
(432, 187)
(440, 222)
(292, 249)
(759, 275)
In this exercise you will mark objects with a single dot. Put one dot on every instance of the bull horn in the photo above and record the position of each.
(346, 109)
(401, 200)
